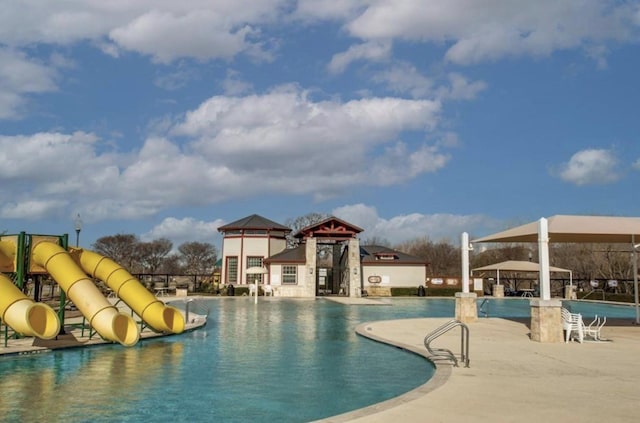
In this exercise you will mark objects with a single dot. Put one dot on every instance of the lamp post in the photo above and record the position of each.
(77, 223)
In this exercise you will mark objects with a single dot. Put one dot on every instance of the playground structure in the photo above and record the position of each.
(74, 270)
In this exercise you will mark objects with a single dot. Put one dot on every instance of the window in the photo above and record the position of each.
(253, 261)
(232, 270)
(290, 274)
(386, 256)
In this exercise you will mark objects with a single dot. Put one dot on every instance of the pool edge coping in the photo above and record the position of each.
(443, 371)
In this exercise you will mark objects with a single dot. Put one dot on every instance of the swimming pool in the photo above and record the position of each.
(282, 360)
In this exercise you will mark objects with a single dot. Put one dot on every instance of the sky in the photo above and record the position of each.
(407, 118)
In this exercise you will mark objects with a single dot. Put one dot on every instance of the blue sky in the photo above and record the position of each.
(408, 118)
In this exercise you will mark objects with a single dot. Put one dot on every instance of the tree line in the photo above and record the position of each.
(156, 257)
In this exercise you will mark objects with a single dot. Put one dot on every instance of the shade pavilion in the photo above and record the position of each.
(576, 229)
(519, 266)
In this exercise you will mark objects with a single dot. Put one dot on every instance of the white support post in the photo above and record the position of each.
(543, 258)
(464, 242)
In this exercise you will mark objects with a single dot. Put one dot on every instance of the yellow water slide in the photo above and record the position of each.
(155, 313)
(24, 315)
(102, 315)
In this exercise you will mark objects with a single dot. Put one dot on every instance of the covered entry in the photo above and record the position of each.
(333, 251)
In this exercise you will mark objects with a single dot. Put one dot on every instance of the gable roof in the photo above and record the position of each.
(255, 222)
(290, 255)
(377, 254)
(332, 228)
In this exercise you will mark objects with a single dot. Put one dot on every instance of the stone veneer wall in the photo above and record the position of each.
(546, 321)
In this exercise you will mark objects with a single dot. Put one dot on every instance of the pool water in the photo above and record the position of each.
(277, 361)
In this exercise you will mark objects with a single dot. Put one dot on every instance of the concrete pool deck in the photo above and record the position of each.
(511, 378)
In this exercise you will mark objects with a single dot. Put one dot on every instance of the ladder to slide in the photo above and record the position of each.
(447, 353)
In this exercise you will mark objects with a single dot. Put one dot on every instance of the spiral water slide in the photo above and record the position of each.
(155, 313)
(24, 315)
(110, 323)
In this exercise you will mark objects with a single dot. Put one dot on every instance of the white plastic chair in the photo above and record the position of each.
(572, 325)
(268, 290)
(593, 330)
(252, 289)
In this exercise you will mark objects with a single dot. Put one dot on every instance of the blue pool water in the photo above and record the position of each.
(279, 361)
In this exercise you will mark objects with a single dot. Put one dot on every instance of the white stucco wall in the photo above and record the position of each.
(394, 276)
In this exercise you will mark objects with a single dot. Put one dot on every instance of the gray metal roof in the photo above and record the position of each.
(255, 222)
(290, 255)
(372, 254)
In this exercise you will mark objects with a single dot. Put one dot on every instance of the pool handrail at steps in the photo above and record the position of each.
(444, 352)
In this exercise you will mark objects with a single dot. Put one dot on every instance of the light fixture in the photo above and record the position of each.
(77, 224)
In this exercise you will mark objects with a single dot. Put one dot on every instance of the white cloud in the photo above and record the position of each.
(270, 139)
(460, 88)
(230, 147)
(404, 78)
(636, 164)
(481, 30)
(234, 86)
(167, 36)
(184, 230)
(163, 29)
(441, 226)
(371, 51)
(591, 166)
(21, 77)
(328, 9)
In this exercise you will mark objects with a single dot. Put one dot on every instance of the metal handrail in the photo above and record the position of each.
(444, 352)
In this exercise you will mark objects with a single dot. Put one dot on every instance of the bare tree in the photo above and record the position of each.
(302, 222)
(121, 248)
(198, 258)
(153, 253)
(172, 265)
(443, 257)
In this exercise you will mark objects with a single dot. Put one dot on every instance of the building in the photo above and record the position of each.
(327, 260)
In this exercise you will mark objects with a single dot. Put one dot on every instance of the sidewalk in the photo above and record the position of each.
(513, 379)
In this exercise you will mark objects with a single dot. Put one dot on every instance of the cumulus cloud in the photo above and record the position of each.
(404, 78)
(162, 29)
(484, 30)
(228, 148)
(166, 36)
(460, 88)
(591, 166)
(371, 51)
(21, 77)
(184, 230)
(437, 227)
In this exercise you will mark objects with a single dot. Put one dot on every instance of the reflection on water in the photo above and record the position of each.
(285, 361)
(74, 384)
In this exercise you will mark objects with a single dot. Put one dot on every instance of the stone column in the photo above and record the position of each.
(466, 307)
(546, 321)
(353, 267)
(498, 291)
(309, 288)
